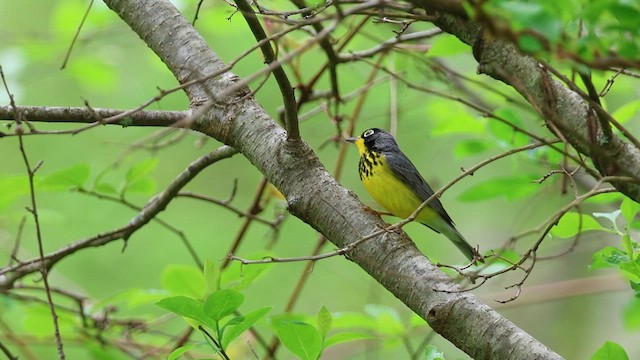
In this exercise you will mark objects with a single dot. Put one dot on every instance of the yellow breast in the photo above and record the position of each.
(387, 190)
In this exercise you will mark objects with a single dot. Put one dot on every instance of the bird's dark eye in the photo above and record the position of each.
(367, 133)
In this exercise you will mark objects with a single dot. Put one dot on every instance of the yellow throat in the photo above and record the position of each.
(385, 188)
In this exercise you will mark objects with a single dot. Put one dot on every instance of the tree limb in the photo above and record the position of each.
(88, 115)
(560, 107)
(316, 198)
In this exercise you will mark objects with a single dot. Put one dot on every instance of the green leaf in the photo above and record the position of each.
(71, 177)
(629, 209)
(184, 306)
(447, 45)
(235, 321)
(571, 223)
(608, 257)
(610, 351)
(240, 277)
(627, 111)
(324, 320)
(532, 15)
(234, 277)
(627, 15)
(106, 188)
(301, 339)
(222, 303)
(631, 270)
(142, 186)
(432, 353)
(141, 170)
(288, 318)
(212, 275)
(232, 331)
(631, 312)
(627, 245)
(179, 351)
(343, 337)
(183, 280)
(510, 187)
(635, 286)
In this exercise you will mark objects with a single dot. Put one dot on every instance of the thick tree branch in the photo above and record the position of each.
(88, 115)
(561, 108)
(316, 198)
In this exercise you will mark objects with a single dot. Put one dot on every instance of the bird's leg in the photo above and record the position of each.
(376, 212)
(396, 230)
(386, 226)
(477, 256)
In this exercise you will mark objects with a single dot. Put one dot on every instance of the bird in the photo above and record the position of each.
(395, 184)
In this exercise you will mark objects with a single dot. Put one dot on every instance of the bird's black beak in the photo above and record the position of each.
(351, 139)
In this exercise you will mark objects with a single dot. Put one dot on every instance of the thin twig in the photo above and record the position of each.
(599, 110)
(7, 352)
(16, 246)
(225, 204)
(75, 36)
(153, 207)
(195, 16)
(166, 225)
(31, 171)
(532, 252)
(286, 90)
(215, 342)
(609, 84)
(341, 251)
(254, 209)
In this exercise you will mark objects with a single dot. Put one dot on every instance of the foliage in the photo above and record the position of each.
(626, 256)
(214, 311)
(610, 351)
(531, 200)
(606, 27)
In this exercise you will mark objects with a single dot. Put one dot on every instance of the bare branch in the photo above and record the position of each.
(85, 115)
(36, 219)
(9, 275)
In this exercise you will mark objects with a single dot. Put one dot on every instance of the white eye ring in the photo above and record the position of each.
(368, 133)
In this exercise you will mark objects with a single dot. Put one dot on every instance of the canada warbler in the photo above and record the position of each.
(395, 183)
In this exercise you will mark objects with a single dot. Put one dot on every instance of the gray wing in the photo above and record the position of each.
(404, 170)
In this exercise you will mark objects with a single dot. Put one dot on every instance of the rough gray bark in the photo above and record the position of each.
(561, 108)
(316, 198)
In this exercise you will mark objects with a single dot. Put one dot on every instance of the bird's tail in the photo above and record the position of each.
(459, 241)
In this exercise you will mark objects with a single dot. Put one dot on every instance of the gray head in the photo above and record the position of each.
(379, 140)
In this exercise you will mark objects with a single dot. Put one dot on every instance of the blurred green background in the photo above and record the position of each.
(111, 67)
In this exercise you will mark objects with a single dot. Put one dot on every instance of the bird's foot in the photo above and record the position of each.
(376, 212)
(390, 229)
(477, 257)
